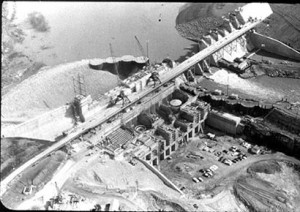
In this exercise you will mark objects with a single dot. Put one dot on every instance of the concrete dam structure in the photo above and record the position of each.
(175, 125)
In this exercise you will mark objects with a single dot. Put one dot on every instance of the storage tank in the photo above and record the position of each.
(175, 105)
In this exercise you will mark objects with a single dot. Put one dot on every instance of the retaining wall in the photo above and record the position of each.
(160, 175)
(218, 121)
(274, 46)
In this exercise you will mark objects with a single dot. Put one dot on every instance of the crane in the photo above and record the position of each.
(115, 63)
(141, 48)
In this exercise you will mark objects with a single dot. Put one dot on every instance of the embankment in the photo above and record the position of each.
(272, 45)
(53, 87)
(47, 126)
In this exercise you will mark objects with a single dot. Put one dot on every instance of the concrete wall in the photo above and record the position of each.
(161, 176)
(219, 122)
(274, 46)
(46, 126)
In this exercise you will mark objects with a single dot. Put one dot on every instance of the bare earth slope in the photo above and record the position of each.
(53, 87)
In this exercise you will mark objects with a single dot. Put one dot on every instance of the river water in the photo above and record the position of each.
(80, 30)
(83, 30)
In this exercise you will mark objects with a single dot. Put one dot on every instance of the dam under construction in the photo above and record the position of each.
(161, 138)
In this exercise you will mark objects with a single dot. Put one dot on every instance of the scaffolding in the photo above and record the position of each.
(79, 85)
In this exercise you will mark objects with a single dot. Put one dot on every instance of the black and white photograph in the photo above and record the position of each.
(150, 106)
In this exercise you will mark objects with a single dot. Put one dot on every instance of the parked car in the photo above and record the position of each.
(211, 136)
(210, 173)
(228, 162)
(255, 150)
(195, 180)
(201, 170)
(205, 175)
(218, 153)
(200, 179)
(214, 168)
(235, 154)
(233, 148)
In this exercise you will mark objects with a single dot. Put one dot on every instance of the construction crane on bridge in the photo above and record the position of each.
(142, 49)
(115, 63)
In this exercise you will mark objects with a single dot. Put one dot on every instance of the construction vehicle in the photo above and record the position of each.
(154, 77)
(122, 96)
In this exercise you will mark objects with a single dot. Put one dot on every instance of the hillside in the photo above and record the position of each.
(283, 24)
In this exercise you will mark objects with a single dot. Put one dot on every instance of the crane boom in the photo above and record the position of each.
(142, 49)
(140, 46)
(114, 61)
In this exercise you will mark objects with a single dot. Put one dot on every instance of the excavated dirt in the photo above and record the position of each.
(37, 175)
(267, 167)
(269, 185)
(53, 87)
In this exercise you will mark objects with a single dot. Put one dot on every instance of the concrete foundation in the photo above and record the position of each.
(223, 122)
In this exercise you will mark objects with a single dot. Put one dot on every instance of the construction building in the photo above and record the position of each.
(157, 132)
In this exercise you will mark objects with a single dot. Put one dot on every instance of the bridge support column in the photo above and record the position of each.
(234, 21)
(202, 44)
(207, 39)
(221, 32)
(214, 36)
(228, 25)
(240, 17)
(200, 69)
(205, 66)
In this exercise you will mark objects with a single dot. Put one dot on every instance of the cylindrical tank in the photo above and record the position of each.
(175, 105)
